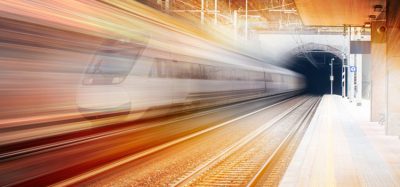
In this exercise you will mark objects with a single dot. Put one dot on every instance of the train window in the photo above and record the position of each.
(157, 68)
(268, 77)
(195, 71)
(274, 77)
(184, 70)
(163, 68)
(169, 68)
(110, 65)
(283, 78)
(235, 74)
(112, 62)
(211, 72)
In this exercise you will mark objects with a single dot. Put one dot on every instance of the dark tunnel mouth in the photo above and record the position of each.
(318, 74)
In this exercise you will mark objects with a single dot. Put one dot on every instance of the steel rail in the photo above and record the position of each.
(233, 148)
(256, 178)
(125, 160)
(71, 142)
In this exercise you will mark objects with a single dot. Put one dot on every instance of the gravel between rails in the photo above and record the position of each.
(239, 167)
(162, 168)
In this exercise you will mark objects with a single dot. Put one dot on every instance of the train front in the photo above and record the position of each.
(102, 91)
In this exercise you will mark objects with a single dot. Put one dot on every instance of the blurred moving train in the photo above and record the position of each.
(132, 59)
(137, 78)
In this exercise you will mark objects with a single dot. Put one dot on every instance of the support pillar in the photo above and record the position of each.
(378, 72)
(358, 78)
(393, 67)
(235, 23)
(215, 12)
(351, 78)
(202, 12)
(355, 78)
(166, 5)
(246, 22)
(344, 77)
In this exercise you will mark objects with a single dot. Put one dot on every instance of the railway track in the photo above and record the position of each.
(118, 163)
(99, 170)
(264, 152)
(38, 148)
(271, 173)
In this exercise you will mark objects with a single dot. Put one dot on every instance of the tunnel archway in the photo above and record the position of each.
(313, 61)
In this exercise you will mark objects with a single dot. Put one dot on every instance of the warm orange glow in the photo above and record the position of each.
(337, 12)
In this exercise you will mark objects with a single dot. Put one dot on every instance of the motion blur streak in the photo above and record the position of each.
(47, 46)
(75, 66)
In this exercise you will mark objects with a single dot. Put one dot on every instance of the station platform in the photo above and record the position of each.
(342, 148)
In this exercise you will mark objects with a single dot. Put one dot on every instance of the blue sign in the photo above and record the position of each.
(353, 69)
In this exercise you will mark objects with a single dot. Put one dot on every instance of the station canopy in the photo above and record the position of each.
(338, 12)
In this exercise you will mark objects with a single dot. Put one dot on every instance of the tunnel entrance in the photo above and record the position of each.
(315, 66)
